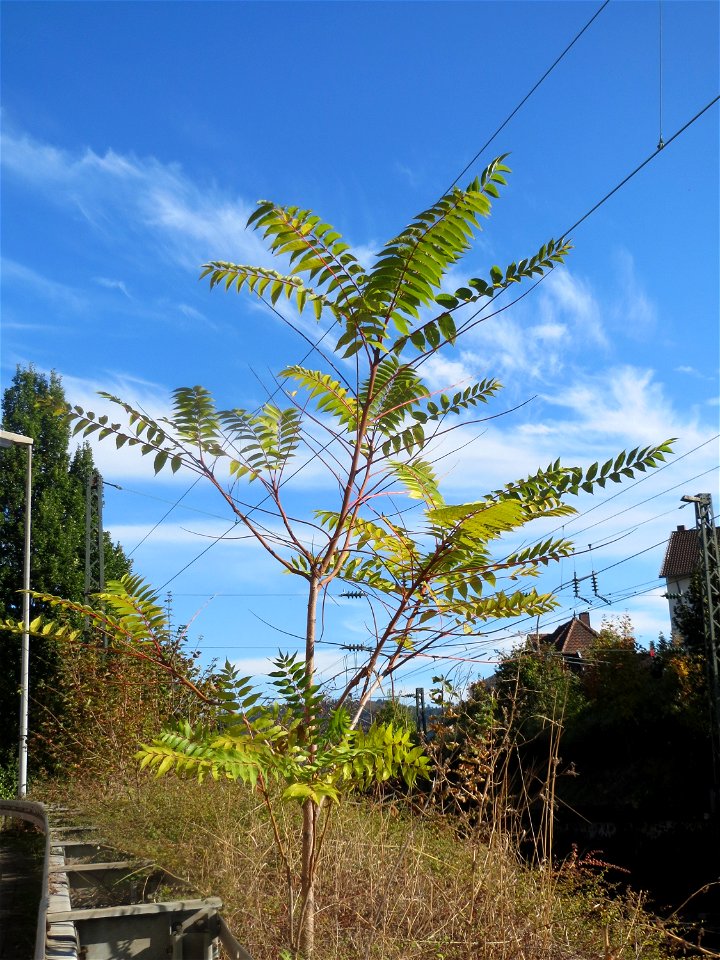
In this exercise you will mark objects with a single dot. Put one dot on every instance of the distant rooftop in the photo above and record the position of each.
(682, 557)
(571, 638)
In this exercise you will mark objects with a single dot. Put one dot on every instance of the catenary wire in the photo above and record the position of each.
(165, 516)
(565, 233)
(595, 548)
(626, 487)
(314, 346)
(660, 73)
(647, 500)
(524, 100)
(644, 163)
(487, 635)
(510, 637)
(467, 324)
(613, 599)
(475, 319)
(618, 596)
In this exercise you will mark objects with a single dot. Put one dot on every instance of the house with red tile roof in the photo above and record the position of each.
(682, 560)
(574, 639)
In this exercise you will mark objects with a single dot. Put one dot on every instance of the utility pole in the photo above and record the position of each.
(710, 577)
(94, 540)
(420, 719)
(94, 552)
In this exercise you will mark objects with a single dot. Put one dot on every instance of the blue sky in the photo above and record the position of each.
(136, 138)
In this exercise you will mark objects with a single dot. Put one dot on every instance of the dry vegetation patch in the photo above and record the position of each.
(395, 884)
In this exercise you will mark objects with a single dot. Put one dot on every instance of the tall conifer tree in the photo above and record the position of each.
(58, 539)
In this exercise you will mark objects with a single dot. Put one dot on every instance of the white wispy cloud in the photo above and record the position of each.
(442, 372)
(567, 296)
(192, 313)
(366, 253)
(538, 339)
(625, 403)
(189, 532)
(550, 331)
(114, 192)
(633, 310)
(34, 283)
(110, 284)
(590, 418)
(411, 176)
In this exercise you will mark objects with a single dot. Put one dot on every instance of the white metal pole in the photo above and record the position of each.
(8, 439)
(25, 656)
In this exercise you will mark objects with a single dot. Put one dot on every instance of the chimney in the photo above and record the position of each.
(584, 617)
(681, 527)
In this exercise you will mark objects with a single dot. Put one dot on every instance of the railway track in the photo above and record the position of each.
(95, 906)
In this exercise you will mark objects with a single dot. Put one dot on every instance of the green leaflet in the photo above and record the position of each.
(127, 613)
(195, 418)
(410, 437)
(544, 489)
(501, 605)
(541, 552)
(397, 390)
(313, 247)
(329, 394)
(391, 548)
(315, 761)
(146, 433)
(136, 606)
(418, 477)
(412, 265)
(481, 520)
(265, 282)
(550, 254)
(263, 441)
(430, 334)
(381, 555)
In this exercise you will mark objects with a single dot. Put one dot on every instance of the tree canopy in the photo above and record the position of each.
(59, 480)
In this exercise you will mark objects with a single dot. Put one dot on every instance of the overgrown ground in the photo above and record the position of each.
(395, 884)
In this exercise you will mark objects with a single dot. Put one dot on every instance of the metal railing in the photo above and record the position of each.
(184, 929)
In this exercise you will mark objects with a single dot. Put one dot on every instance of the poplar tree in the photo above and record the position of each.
(59, 479)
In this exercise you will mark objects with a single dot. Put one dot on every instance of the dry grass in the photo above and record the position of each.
(394, 884)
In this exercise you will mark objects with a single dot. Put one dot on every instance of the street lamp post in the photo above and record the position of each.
(17, 440)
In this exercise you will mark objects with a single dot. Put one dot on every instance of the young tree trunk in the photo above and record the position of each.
(307, 882)
(310, 809)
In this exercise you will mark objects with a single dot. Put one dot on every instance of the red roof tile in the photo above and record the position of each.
(574, 637)
(682, 555)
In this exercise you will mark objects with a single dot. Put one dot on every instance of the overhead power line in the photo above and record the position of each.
(574, 534)
(475, 319)
(468, 324)
(626, 487)
(165, 516)
(152, 496)
(660, 147)
(315, 345)
(527, 96)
